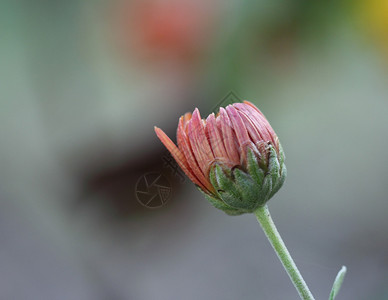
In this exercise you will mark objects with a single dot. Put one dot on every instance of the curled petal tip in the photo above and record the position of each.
(249, 103)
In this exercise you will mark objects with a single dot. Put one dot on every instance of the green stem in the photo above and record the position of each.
(266, 222)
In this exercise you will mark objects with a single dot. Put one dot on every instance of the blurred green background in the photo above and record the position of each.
(82, 83)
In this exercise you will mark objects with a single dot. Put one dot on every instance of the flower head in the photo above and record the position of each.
(234, 157)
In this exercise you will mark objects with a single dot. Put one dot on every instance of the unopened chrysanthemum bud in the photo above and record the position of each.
(235, 158)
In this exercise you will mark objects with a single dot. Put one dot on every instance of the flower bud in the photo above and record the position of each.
(234, 158)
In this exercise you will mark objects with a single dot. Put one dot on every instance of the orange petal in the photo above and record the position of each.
(186, 118)
(199, 143)
(185, 147)
(177, 154)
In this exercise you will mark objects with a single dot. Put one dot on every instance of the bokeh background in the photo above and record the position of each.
(82, 83)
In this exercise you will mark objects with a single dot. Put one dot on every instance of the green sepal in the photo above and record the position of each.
(233, 201)
(225, 184)
(273, 165)
(277, 169)
(248, 188)
(265, 190)
(254, 169)
(225, 188)
(264, 181)
(282, 156)
(213, 179)
(279, 183)
(221, 205)
(262, 159)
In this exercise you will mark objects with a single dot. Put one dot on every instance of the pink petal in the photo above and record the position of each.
(252, 130)
(253, 106)
(239, 128)
(230, 140)
(215, 140)
(258, 120)
(268, 127)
